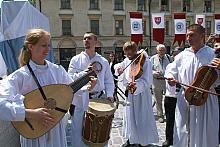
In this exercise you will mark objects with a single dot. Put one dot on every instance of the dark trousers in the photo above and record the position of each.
(219, 121)
(170, 106)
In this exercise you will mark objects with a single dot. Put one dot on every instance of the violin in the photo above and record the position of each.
(204, 78)
(136, 70)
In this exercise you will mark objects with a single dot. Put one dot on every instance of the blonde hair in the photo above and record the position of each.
(32, 37)
(130, 45)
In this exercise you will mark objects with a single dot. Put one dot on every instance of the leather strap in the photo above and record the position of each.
(36, 81)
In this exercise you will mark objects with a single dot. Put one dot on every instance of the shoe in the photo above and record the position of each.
(161, 120)
(167, 143)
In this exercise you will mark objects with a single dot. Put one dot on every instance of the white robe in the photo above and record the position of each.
(203, 126)
(139, 125)
(19, 83)
(105, 82)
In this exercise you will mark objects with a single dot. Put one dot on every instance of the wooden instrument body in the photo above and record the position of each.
(97, 122)
(58, 95)
(136, 70)
(205, 77)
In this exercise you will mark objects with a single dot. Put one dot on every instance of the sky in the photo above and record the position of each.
(14, 0)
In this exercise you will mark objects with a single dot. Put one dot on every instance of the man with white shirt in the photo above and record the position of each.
(104, 87)
(195, 126)
(170, 104)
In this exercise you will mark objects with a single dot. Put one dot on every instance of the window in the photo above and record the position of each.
(65, 4)
(94, 4)
(144, 27)
(65, 56)
(208, 27)
(164, 5)
(119, 4)
(141, 5)
(118, 27)
(167, 27)
(208, 6)
(94, 26)
(66, 27)
(186, 5)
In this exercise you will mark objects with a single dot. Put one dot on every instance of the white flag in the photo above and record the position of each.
(180, 26)
(217, 26)
(136, 26)
(200, 19)
(158, 20)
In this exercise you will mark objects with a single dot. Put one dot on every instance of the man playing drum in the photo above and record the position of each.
(139, 122)
(104, 87)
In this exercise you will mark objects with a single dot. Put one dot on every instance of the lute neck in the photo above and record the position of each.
(80, 82)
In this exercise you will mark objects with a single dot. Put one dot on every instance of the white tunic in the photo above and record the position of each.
(19, 83)
(203, 120)
(170, 90)
(139, 124)
(105, 82)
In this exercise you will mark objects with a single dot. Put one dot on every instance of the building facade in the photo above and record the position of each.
(109, 19)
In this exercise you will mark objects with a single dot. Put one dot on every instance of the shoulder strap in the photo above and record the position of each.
(36, 81)
(40, 88)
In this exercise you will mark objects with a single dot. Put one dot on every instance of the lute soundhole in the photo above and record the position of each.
(50, 103)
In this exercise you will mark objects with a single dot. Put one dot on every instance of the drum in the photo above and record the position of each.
(97, 122)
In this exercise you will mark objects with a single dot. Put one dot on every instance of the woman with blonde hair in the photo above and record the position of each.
(16, 85)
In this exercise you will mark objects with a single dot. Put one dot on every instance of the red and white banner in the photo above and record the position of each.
(180, 28)
(217, 26)
(200, 19)
(158, 27)
(136, 27)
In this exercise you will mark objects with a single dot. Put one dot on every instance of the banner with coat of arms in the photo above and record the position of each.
(158, 27)
(136, 27)
(180, 28)
(200, 19)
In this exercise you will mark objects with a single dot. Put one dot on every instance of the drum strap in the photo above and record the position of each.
(40, 88)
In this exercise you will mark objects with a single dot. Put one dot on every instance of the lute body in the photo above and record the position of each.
(59, 97)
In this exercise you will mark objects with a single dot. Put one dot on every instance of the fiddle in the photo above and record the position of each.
(204, 78)
(190, 86)
(136, 71)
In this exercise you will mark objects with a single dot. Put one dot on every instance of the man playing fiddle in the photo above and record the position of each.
(139, 125)
(200, 121)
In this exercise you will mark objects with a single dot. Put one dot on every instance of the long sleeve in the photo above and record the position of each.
(109, 82)
(73, 71)
(172, 71)
(11, 102)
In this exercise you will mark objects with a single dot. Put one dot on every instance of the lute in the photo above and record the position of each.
(58, 99)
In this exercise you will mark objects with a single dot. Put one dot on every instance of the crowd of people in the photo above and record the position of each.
(187, 124)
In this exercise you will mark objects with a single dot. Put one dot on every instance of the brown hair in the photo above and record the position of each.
(32, 37)
(130, 45)
(198, 28)
(92, 34)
